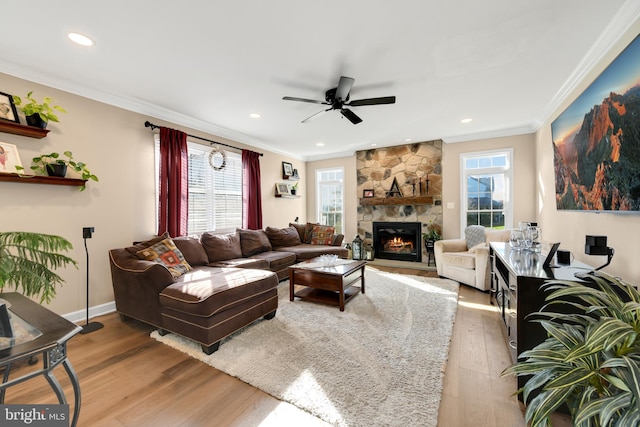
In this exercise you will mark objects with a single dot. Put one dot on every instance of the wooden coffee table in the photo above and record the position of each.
(330, 285)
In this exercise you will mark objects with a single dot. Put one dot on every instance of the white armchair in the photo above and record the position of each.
(467, 261)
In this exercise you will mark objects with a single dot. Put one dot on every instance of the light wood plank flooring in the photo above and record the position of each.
(129, 379)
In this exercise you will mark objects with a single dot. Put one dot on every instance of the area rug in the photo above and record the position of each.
(379, 363)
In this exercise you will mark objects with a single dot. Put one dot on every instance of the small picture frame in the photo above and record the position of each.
(8, 108)
(368, 194)
(9, 158)
(282, 189)
(287, 169)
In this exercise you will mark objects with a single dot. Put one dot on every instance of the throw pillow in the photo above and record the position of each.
(166, 253)
(474, 234)
(307, 232)
(283, 237)
(221, 247)
(253, 242)
(322, 235)
(138, 246)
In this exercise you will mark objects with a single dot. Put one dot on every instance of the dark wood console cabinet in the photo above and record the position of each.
(516, 278)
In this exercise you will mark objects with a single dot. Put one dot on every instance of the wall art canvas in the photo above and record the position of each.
(596, 141)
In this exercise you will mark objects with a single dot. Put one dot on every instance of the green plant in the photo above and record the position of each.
(295, 186)
(432, 233)
(45, 110)
(590, 360)
(41, 164)
(26, 260)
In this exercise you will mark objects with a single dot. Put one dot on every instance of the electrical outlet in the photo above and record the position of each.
(86, 232)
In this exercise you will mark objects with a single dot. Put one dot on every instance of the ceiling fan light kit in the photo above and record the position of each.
(338, 99)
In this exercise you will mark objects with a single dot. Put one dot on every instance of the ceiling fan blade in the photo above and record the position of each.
(344, 87)
(373, 101)
(312, 101)
(353, 117)
(316, 115)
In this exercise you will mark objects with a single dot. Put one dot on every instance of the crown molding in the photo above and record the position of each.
(622, 22)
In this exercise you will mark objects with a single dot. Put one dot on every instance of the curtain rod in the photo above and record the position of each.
(148, 124)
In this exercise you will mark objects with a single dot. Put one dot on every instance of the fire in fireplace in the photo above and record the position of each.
(397, 241)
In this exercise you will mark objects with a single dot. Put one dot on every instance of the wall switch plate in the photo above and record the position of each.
(451, 205)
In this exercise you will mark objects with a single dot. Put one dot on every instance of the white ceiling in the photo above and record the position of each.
(209, 64)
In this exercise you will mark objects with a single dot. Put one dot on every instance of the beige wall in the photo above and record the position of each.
(523, 178)
(120, 151)
(570, 228)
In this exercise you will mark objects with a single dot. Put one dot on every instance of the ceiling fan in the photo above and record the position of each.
(338, 99)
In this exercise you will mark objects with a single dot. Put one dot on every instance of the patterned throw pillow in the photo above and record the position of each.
(474, 235)
(166, 253)
(322, 235)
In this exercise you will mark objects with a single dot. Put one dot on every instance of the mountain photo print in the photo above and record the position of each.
(596, 141)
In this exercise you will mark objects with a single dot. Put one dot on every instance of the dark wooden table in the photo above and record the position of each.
(326, 284)
(51, 345)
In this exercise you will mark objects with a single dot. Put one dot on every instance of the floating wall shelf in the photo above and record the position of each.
(36, 179)
(18, 129)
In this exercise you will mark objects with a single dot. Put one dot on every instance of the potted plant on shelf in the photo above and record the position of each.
(53, 165)
(294, 189)
(27, 260)
(591, 359)
(38, 114)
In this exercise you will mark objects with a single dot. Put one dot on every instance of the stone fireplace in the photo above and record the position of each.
(407, 168)
(397, 240)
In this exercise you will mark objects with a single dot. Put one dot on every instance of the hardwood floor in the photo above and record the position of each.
(129, 379)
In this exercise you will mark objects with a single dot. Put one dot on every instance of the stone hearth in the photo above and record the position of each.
(410, 165)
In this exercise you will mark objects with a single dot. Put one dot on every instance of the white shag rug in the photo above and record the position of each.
(379, 363)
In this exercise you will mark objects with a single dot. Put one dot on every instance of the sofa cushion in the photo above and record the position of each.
(137, 247)
(277, 260)
(474, 234)
(259, 264)
(305, 251)
(460, 259)
(283, 237)
(221, 247)
(205, 292)
(166, 253)
(253, 242)
(192, 250)
(300, 228)
(322, 235)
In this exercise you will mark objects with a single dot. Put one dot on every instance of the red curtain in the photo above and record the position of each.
(174, 191)
(251, 192)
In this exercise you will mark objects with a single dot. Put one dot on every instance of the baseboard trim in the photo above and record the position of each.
(80, 316)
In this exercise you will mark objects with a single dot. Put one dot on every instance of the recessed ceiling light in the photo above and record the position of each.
(320, 144)
(374, 144)
(254, 115)
(408, 139)
(80, 39)
(466, 120)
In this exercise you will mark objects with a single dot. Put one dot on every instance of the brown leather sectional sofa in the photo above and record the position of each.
(230, 279)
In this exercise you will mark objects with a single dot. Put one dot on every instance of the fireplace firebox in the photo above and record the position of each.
(397, 241)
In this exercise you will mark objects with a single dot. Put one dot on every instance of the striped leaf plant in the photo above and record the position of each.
(591, 358)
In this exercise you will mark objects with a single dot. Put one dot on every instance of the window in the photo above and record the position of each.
(215, 197)
(330, 203)
(486, 196)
